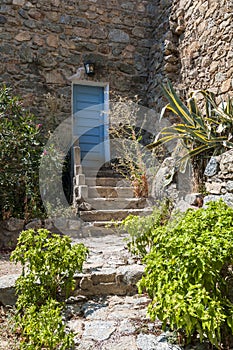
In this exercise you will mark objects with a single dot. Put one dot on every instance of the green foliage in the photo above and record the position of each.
(142, 229)
(44, 328)
(204, 129)
(20, 151)
(188, 273)
(49, 262)
(199, 131)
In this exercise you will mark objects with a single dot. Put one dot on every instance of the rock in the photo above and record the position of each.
(52, 40)
(212, 167)
(226, 162)
(84, 206)
(147, 342)
(194, 199)
(3, 19)
(214, 187)
(7, 289)
(163, 178)
(19, 2)
(124, 343)
(229, 186)
(182, 206)
(99, 330)
(23, 36)
(74, 224)
(130, 274)
(228, 199)
(118, 35)
(126, 327)
(54, 77)
(14, 224)
(34, 224)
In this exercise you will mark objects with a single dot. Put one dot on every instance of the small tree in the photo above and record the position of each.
(20, 152)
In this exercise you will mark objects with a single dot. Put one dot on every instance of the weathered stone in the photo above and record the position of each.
(34, 224)
(14, 224)
(227, 85)
(228, 198)
(131, 274)
(19, 2)
(229, 186)
(23, 36)
(226, 162)
(212, 167)
(54, 77)
(74, 224)
(30, 24)
(35, 14)
(65, 19)
(139, 32)
(7, 290)
(3, 19)
(213, 187)
(118, 35)
(82, 32)
(147, 341)
(99, 32)
(38, 40)
(99, 330)
(124, 343)
(52, 40)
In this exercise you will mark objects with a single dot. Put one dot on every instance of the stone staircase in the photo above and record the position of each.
(106, 201)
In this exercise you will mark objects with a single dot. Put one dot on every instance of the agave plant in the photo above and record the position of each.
(205, 127)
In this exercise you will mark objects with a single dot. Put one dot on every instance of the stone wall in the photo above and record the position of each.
(44, 42)
(219, 182)
(192, 47)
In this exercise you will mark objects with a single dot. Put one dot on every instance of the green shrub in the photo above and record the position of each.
(142, 229)
(20, 152)
(189, 275)
(49, 263)
(44, 329)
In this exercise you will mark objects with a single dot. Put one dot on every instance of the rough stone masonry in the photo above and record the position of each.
(136, 45)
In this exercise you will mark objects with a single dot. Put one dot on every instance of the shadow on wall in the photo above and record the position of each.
(164, 55)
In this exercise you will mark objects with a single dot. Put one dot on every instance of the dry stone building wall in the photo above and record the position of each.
(44, 42)
(193, 47)
(136, 46)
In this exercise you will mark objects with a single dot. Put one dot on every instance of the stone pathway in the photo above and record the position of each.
(116, 322)
(105, 312)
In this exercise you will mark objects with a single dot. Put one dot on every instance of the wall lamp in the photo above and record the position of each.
(89, 68)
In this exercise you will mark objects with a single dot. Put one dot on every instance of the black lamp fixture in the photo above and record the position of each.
(89, 68)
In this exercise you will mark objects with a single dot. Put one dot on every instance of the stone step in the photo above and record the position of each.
(107, 181)
(108, 215)
(109, 270)
(110, 192)
(105, 281)
(117, 203)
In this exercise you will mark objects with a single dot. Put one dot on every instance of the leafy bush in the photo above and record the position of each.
(142, 229)
(49, 262)
(20, 152)
(44, 328)
(189, 274)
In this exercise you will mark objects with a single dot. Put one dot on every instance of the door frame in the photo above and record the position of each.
(105, 85)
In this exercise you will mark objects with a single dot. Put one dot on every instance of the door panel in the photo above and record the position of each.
(88, 124)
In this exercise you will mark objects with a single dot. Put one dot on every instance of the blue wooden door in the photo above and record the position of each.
(88, 124)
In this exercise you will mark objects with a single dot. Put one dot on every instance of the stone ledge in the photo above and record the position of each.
(107, 281)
